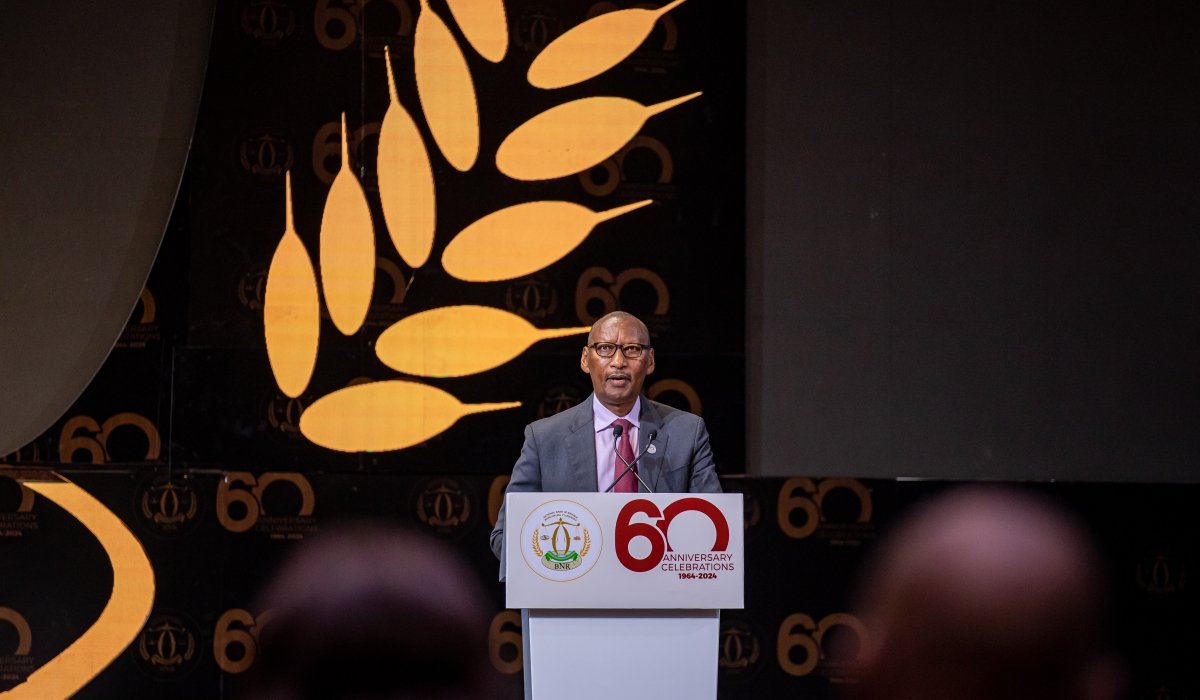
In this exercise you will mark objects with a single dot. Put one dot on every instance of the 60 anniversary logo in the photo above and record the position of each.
(660, 546)
(562, 540)
(240, 509)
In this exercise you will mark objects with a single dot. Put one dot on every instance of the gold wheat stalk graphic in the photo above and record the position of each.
(450, 341)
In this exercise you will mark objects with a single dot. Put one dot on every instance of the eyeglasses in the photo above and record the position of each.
(632, 351)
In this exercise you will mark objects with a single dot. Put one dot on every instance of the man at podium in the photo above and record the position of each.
(616, 440)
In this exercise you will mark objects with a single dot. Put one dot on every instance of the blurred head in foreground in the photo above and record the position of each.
(986, 595)
(367, 613)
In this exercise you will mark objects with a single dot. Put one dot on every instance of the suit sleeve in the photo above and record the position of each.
(526, 476)
(704, 470)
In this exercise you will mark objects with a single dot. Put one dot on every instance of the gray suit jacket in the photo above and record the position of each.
(560, 455)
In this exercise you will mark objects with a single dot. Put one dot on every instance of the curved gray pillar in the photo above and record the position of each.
(97, 105)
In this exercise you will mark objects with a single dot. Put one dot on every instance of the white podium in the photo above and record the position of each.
(620, 594)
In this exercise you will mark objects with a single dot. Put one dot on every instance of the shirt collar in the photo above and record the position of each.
(603, 418)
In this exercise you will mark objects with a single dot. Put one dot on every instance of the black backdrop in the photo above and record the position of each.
(972, 239)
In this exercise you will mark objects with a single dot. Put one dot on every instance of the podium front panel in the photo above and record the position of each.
(624, 551)
(622, 654)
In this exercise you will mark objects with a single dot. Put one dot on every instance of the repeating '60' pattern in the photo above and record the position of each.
(512, 242)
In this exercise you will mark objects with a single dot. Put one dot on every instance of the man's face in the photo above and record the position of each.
(618, 380)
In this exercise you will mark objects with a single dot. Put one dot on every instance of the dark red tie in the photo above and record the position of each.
(628, 483)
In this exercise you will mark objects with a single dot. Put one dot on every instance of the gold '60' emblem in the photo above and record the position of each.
(16, 663)
(804, 495)
(800, 632)
(504, 642)
(24, 634)
(615, 167)
(597, 284)
(237, 628)
(71, 440)
(337, 22)
(251, 499)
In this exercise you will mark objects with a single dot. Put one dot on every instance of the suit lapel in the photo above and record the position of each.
(650, 465)
(581, 446)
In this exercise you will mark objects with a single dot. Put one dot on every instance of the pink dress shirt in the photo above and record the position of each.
(606, 446)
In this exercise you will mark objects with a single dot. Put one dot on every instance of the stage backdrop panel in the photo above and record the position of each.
(475, 355)
(100, 102)
(972, 240)
(281, 78)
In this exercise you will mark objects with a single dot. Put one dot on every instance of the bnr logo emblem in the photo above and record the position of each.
(167, 645)
(566, 544)
(443, 505)
(1161, 574)
(740, 648)
(561, 540)
(169, 505)
(533, 298)
(558, 400)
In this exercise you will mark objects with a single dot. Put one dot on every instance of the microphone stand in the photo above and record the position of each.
(629, 467)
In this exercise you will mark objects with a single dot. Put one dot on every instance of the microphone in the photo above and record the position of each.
(617, 430)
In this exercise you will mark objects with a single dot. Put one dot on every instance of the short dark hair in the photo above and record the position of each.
(619, 315)
(371, 612)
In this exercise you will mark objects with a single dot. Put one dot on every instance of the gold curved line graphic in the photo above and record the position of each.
(148, 307)
(127, 609)
(24, 634)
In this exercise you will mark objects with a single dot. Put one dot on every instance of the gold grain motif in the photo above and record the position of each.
(522, 239)
(454, 341)
(347, 248)
(484, 24)
(406, 188)
(383, 416)
(590, 48)
(449, 341)
(446, 89)
(291, 309)
(575, 136)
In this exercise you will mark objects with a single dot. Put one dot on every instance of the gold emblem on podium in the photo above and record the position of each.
(567, 543)
(561, 540)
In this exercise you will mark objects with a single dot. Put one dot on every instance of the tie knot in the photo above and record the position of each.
(625, 425)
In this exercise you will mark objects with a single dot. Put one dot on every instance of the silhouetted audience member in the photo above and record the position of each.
(986, 594)
(367, 613)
